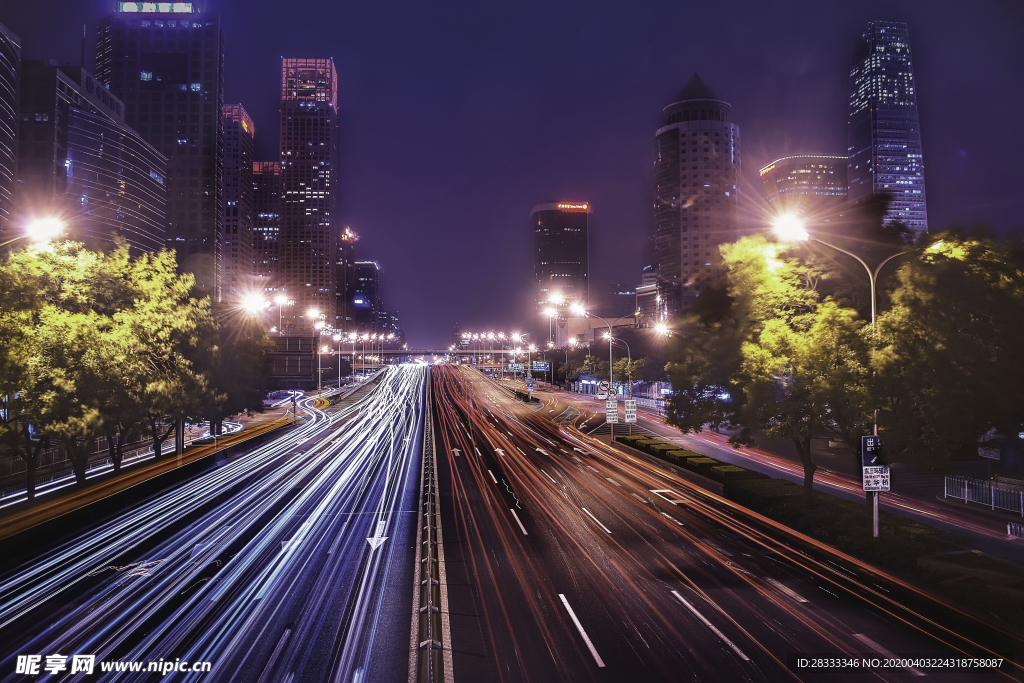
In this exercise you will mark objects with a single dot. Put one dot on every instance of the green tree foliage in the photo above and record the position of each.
(948, 359)
(103, 345)
(627, 370)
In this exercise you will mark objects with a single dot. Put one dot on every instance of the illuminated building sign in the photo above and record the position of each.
(156, 7)
(767, 169)
(573, 207)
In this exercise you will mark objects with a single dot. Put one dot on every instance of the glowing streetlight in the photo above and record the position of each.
(40, 230)
(661, 329)
(253, 303)
(790, 228)
(313, 313)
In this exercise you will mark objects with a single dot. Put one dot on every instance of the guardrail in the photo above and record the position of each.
(991, 494)
(430, 656)
(1015, 530)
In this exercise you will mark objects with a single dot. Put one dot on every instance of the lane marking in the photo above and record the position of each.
(595, 519)
(477, 452)
(658, 493)
(518, 522)
(882, 651)
(711, 626)
(613, 481)
(715, 546)
(492, 476)
(785, 589)
(640, 498)
(668, 516)
(591, 468)
(579, 627)
(520, 450)
(549, 477)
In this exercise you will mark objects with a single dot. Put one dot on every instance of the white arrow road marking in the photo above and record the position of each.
(376, 540)
(579, 627)
(788, 591)
(518, 522)
(492, 476)
(882, 651)
(595, 519)
(541, 451)
(499, 452)
(455, 451)
(711, 626)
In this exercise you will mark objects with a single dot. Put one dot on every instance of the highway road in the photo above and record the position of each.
(287, 563)
(570, 561)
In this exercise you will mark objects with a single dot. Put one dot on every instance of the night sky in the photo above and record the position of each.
(457, 117)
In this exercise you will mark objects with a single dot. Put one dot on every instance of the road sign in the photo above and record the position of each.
(540, 366)
(611, 410)
(876, 478)
(604, 385)
(870, 451)
(474, 360)
(516, 367)
(529, 385)
(630, 406)
(990, 453)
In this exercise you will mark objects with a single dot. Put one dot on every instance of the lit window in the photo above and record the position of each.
(146, 76)
(196, 87)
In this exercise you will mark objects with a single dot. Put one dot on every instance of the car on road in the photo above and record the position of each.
(603, 396)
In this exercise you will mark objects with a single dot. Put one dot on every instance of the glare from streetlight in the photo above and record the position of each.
(281, 300)
(661, 329)
(391, 335)
(353, 336)
(312, 313)
(790, 228)
(336, 337)
(578, 309)
(320, 324)
(44, 229)
(253, 303)
(550, 312)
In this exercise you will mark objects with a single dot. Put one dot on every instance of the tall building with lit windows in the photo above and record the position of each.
(165, 61)
(812, 185)
(696, 193)
(266, 225)
(237, 218)
(561, 252)
(10, 88)
(308, 246)
(884, 131)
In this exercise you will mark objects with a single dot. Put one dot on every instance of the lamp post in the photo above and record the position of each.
(629, 356)
(337, 338)
(579, 310)
(281, 300)
(791, 229)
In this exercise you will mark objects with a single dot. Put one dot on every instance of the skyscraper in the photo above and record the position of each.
(10, 93)
(561, 252)
(239, 132)
(77, 159)
(696, 192)
(168, 69)
(266, 229)
(345, 274)
(366, 303)
(811, 185)
(884, 132)
(309, 234)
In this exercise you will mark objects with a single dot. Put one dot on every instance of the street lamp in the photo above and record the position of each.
(281, 300)
(579, 310)
(791, 228)
(40, 230)
(254, 303)
(629, 356)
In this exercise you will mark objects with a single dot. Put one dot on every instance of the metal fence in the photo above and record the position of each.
(1015, 530)
(992, 494)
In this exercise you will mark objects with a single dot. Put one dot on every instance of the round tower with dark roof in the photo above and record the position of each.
(696, 196)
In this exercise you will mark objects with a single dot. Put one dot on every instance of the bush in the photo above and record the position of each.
(700, 462)
(659, 449)
(733, 473)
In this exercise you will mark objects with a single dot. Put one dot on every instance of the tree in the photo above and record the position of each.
(947, 358)
(628, 370)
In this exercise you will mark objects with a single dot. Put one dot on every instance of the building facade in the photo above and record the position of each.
(10, 95)
(345, 275)
(168, 69)
(266, 227)
(884, 145)
(561, 253)
(366, 302)
(308, 245)
(237, 217)
(811, 185)
(696, 194)
(80, 161)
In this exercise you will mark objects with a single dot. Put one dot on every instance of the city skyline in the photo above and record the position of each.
(800, 109)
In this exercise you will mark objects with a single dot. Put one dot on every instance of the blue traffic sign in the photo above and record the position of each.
(871, 451)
